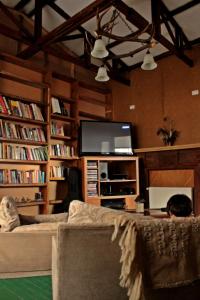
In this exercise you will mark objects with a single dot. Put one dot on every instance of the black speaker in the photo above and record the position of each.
(73, 188)
(103, 170)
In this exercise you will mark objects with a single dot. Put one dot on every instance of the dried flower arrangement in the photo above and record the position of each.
(167, 133)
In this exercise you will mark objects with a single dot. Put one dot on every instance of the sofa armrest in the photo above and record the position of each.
(24, 254)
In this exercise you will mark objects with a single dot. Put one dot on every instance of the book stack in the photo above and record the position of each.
(21, 177)
(57, 129)
(92, 189)
(8, 151)
(92, 177)
(57, 171)
(61, 150)
(15, 131)
(60, 107)
(17, 108)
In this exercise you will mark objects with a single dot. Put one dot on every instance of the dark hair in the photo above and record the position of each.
(179, 205)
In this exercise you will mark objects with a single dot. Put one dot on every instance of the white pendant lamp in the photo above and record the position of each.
(99, 50)
(102, 74)
(148, 62)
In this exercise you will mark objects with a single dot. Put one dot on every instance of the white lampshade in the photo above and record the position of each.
(102, 74)
(148, 62)
(99, 50)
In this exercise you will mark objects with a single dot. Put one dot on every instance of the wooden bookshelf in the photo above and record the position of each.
(25, 87)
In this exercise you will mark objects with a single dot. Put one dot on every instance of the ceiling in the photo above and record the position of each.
(176, 27)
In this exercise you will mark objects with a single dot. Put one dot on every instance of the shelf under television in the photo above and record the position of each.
(22, 119)
(21, 161)
(118, 180)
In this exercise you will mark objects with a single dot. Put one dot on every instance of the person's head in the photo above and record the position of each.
(179, 205)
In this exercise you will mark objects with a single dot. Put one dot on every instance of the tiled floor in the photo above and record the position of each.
(29, 288)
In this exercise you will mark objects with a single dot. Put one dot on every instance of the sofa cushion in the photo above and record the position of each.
(48, 218)
(9, 218)
(83, 213)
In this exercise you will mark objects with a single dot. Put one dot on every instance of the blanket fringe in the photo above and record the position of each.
(130, 277)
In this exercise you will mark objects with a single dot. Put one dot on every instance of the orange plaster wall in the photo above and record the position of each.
(165, 91)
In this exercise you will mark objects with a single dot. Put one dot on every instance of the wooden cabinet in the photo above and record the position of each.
(110, 180)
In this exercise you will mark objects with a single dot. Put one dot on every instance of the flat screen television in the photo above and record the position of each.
(105, 138)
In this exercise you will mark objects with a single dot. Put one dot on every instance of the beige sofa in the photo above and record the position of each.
(163, 255)
(27, 249)
(151, 259)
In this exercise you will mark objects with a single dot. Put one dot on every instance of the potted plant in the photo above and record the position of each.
(167, 133)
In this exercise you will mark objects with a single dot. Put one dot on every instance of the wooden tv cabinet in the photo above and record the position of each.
(110, 179)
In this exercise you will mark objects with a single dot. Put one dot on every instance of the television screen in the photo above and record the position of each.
(105, 138)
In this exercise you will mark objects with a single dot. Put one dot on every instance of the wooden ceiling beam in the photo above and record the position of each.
(176, 26)
(67, 27)
(136, 19)
(155, 14)
(70, 37)
(21, 4)
(38, 20)
(15, 20)
(43, 3)
(13, 34)
(184, 7)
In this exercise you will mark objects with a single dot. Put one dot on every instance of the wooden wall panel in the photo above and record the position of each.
(171, 178)
(61, 87)
(165, 91)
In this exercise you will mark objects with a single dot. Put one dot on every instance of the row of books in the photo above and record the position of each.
(61, 150)
(92, 189)
(15, 176)
(15, 131)
(57, 129)
(17, 108)
(57, 171)
(23, 153)
(91, 164)
(60, 107)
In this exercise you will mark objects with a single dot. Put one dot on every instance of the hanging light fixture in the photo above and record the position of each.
(148, 62)
(102, 74)
(99, 50)
(105, 30)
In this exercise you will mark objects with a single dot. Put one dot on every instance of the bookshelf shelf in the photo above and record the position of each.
(19, 98)
(64, 99)
(22, 120)
(20, 161)
(60, 137)
(62, 118)
(63, 157)
(56, 178)
(19, 185)
(26, 142)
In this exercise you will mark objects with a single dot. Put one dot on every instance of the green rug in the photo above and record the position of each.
(28, 288)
